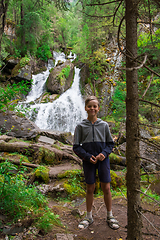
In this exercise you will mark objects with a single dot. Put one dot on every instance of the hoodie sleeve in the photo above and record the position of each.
(109, 142)
(77, 146)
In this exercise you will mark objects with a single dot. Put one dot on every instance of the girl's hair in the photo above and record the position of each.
(90, 98)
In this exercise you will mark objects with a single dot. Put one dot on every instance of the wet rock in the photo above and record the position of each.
(52, 191)
(63, 236)
(76, 212)
(57, 82)
(17, 126)
(46, 140)
(64, 137)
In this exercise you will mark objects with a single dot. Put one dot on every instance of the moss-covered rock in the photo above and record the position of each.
(156, 139)
(116, 159)
(60, 78)
(42, 174)
(46, 156)
(73, 183)
(116, 181)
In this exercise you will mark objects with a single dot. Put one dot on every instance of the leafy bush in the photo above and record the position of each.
(43, 52)
(9, 94)
(63, 75)
(19, 201)
(118, 105)
(74, 183)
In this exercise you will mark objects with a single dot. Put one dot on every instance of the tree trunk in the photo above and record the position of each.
(22, 28)
(134, 226)
(3, 10)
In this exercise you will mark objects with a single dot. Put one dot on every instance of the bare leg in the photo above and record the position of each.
(89, 196)
(107, 195)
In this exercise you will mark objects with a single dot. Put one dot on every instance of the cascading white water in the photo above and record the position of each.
(39, 80)
(65, 112)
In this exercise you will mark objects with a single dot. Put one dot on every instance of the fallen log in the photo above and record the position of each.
(40, 153)
(116, 159)
(17, 162)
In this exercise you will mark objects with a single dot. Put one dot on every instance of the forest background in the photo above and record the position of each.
(41, 28)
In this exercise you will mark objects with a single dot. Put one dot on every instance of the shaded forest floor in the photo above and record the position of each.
(99, 229)
(70, 215)
(72, 212)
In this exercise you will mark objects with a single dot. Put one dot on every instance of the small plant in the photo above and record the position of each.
(10, 93)
(3, 130)
(48, 220)
(74, 183)
(64, 74)
(19, 201)
(43, 52)
(42, 173)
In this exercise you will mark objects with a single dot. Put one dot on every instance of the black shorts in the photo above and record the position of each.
(103, 171)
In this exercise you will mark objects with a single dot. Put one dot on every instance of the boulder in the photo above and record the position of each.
(18, 126)
(64, 137)
(57, 82)
(21, 73)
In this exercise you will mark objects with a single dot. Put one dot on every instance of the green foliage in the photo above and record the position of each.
(73, 185)
(118, 106)
(24, 61)
(42, 174)
(19, 201)
(150, 45)
(5, 45)
(43, 52)
(64, 74)
(9, 94)
(48, 221)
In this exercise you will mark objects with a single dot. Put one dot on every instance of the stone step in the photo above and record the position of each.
(46, 140)
(63, 236)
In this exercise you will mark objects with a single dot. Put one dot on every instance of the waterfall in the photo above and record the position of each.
(65, 112)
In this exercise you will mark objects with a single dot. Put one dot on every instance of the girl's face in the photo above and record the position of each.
(92, 108)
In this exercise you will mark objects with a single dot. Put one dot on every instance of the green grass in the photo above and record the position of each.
(19, 201)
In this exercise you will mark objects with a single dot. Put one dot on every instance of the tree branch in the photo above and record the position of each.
(117, 10)
(149, 69)
(149, 173)
(148, 86)
(153, 144)
(135, 68)
(149, 160)
(153, 23)
(149, 222)
(95, 16)
(101, 4)
(152, 126)
(120, 49)
(147, 196)
(156, 105)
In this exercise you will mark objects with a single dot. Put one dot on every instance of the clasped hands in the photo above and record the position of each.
(99, 157)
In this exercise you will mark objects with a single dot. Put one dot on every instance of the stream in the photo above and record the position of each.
(65, 112)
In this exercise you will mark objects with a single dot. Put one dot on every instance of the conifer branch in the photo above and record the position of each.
(151, 78)
(147, 196)
(149, 221)
(156, 105)
(117, 11)
(149, 125)
(96, 16)
(101, 4)
(149, 160)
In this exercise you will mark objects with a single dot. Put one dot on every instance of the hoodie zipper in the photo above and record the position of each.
(93, 131)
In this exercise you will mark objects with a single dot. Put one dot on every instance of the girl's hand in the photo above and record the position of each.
(100, 157)
(93, 159)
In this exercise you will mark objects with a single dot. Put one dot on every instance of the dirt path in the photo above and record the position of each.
(99, 229)
(71, 213)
